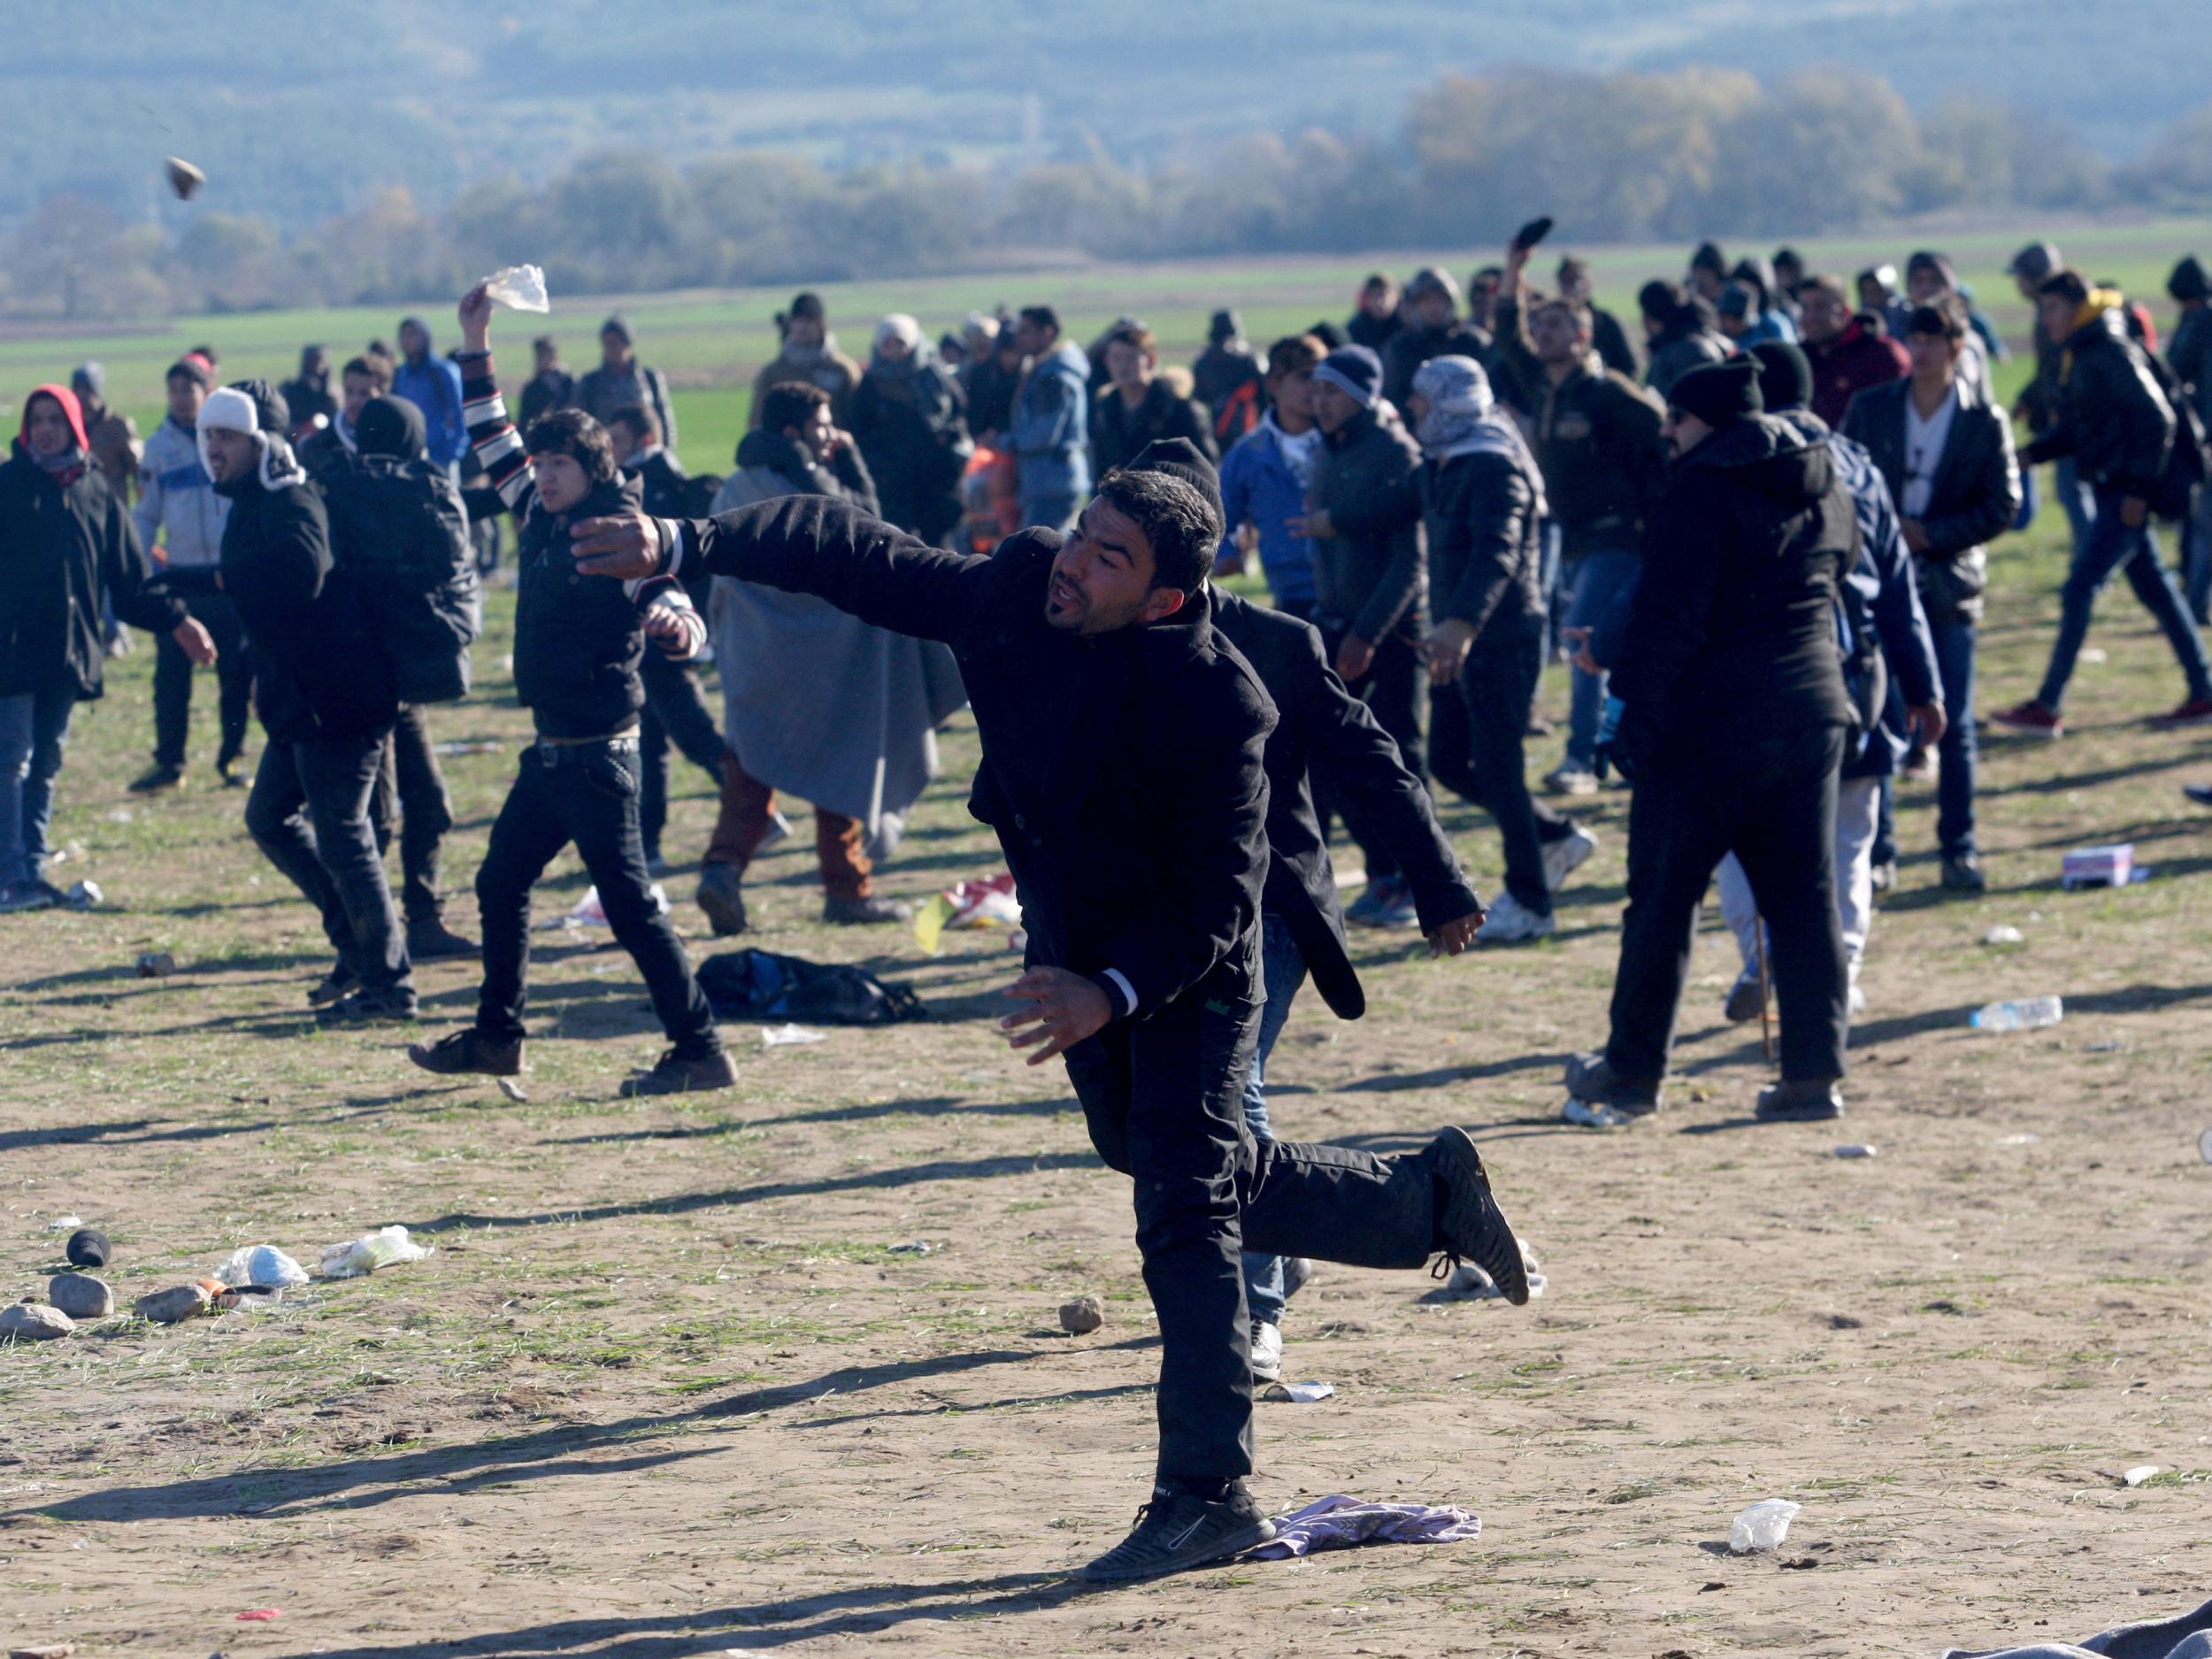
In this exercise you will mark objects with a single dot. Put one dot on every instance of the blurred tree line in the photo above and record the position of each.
(1629, 156)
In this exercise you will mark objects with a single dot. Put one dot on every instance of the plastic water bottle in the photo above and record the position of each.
(2032, 1015)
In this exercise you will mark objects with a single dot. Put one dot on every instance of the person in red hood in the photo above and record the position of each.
(68, 549)
(1848, 354)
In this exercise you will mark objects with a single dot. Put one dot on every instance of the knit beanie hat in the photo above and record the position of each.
(1180, 458)
(1786, 376)
(1353, 369)
(1719, 393)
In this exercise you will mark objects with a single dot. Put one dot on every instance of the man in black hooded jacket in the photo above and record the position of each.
(1122, 770)
(325, 690)
(1735, 714)
(399, 529)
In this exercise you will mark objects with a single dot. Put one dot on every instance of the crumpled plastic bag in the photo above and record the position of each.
(372, 1250)
(1761, 1526)
(989, 903)
(519, 287)
(589, 912)
(261, 1264)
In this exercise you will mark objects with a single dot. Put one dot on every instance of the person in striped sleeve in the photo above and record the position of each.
(578, 644)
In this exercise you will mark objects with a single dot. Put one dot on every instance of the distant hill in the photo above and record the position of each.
(300, 111)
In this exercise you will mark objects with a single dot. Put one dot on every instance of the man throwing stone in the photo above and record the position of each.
(1122, 769)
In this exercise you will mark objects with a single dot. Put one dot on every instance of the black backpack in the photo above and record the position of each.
(761, 985)
(2190, 461)
(399, 528)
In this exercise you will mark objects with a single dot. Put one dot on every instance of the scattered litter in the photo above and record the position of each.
(1082, 1316)
(369, 1252)
(1298, 1394)
(989, 903)
(65, 1224)
(2035, 1013)
(2004, 933)
(82, 895)
(119, 815)
(49, 1650)
(512, 1090)
(785, 1036)
(1762, 1526)
(2026, 1140)
(915, 1248)
(258, 1615)
(2110, 1045)
(88, 1247)
(2141, 1472)
(589, 912)
(155, 964)
(1471, 1283)
(2112, 866)
(81, 1295)
(1855, 1151)
(260, 1264)
(519, 287)
(462, 746)
(2204, 1146)
(1339, 1523)
(33, 1322)
(173, 1306)
(2093, 656)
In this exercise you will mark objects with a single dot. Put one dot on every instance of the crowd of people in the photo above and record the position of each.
(1757, 544)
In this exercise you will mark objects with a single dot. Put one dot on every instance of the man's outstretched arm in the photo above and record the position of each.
(805, 544)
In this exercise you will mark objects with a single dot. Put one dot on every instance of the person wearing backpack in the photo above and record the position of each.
(2189, 355)
(2119, 427)
(398, 529)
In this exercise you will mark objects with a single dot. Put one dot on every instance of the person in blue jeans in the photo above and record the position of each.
(2118, 429)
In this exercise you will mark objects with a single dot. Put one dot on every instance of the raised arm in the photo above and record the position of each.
(497, 444)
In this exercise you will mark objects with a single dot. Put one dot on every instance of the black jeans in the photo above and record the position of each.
(411, 801)
(675, 710)
(1389, 687)
(308, 813)
(587, 793)
(1164, 1097)
(1772, 802)
(1477, 727)
(172, 682)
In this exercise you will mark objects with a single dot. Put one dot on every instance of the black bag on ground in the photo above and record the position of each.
(761, 985)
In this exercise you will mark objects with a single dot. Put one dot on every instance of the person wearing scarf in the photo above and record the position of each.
(1482, 499)
(67, 552)
(912, 426)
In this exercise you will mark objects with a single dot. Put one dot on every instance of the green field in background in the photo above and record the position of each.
(711, 343)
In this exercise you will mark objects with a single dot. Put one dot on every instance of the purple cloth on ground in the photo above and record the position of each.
(1339, 1523)
(2188, 1636)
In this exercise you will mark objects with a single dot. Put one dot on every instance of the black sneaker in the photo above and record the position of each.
(1746, 1000)
(1963, 873)
(678, 1073)
(1590, 1077)
(722, 896)
(469, 1050)
(1178, 1529)
(370, 1007)
(339, 982)
(155, 779)
(866, 912)
(432, 940)
(1800, 1103)
(233, 774)
(1469, 1226)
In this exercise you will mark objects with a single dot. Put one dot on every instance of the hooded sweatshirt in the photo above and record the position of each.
(66, 546)
(433, 386)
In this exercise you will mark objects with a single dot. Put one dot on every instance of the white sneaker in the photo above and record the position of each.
(1267, 1352)
(1567, 854)
(1513, 923)
(1585, 1113)
(1856, 1004)
(1570, 778)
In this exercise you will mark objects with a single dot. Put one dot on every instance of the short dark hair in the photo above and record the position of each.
(186, 369)
(570, 431)
(1135, 336)
(546, 342)
(1944, 315)
(790, 404)
(1042, 316)
(2068, 284)
(1578, 310)
(1294, 352)
(1379, 279)
(378, 371)
(638, 418)
(1179, 522)
(1658, 300)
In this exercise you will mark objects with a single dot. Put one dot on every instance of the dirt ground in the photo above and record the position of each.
(670, 1384)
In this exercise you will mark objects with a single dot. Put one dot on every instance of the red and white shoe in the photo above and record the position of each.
(2196, 711)
(2030, 720)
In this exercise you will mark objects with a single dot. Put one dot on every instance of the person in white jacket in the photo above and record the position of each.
(180, 520)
